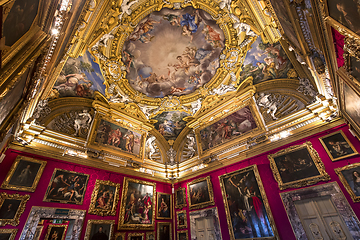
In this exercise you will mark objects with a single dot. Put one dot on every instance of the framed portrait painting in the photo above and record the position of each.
(56, 231)
(66, 187)
(150, 235)
(164, 206)
(120, 236)
(164, 231)
(11, 208)
(8, 234)
(200, 193)
(246, 205)
(104, 198)
(182, 235)
(350, 178)
(180, 198)
(137, 205)
(338, 146)
(135, 236)
(297, 166)
(24, 175)
(99, 229)
(181, 219)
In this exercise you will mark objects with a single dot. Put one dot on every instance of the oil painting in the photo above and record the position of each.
(66, 187)
(164, 231)
(157, 68)
(24, 174)
(19, 20)
(350, 178)
(8, 234)
(79, 77)
(247, 209)
(136, 236)
(120, 236)
(99, 229)
(150, 235)
(182, 235)
(351, 104)
(110, 134)
(355, 68)
(164, 206)
(200, 193)
(297, 166)
(338, 146)
(170, 124)
(11, 208)
(181, 219)
(56, 231)
(104, 198)
(265, 61)
(180, 198)
(346, 13)
(228, 128)
(137, 205)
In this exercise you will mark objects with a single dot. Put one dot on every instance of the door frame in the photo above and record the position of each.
(209, 212)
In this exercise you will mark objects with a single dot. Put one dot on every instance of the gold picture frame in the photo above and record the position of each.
(122, 235)
(89, 232)
(181, 223)
(235, 181)
(164, 234)
(288, 164)
(8, 215)
(25, 174)
(180, 235)
(335, 146)
(347, 176)
(164, 205)
(38, 232)
(197, 185)
(150, 235)
(50, 228)
(130, 235)
(9, 231)
(106, 208)
(180, 198)
(127, 218)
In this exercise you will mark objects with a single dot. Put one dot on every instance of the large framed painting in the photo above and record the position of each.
(181, 219)
(66, 187)
(104, 198)
(246, 205)
(338, 146)
(137, 205)
(350, 177)
(56, 231)
(200, 193)
(118, 137)
(120, 236)
(182, 235)
(164, 206)
(180, 198)
(11, 208)
(150, 235)
(164, 231)
(24, 174)
(8, 234)
(136, 236)
(297, 166)
(99, 229)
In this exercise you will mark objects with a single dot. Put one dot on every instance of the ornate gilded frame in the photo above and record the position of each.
(158, 224)
(135, 235)
(158, 201)
(12, 231)
(121, 224)
(345, 183)
(263, 196)
(118, 234)
(211, 193)
(16, 220)
(148, 235)
(104, 212)
(50, 226)
(6, 184)
(91, 222)
(347, 141)
(323, 176)
(63, 201)
(183, 231)
(178, 222)
(180, 206)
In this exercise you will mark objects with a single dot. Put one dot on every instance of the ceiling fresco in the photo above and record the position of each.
(170, 124)
(173, 52)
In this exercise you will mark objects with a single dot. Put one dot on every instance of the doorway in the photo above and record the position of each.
(205, 229)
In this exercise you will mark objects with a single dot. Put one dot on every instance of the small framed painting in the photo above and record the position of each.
(164, 205)
(200, 193)
(56, 231)
(180, 198)
(119, 236)
(11, 208)
(181, 219)
(24, 175)
(104, 198)
(8, 234)
(338, 146)
(164, 230)
(135, 236)
(182, 235)
(350, 178)
(99, 229)
(150, 235)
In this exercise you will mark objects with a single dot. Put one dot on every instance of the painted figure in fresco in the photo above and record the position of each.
(72, 81)
(129, 145)
(115, 137)
(142, 32)
(173, 19)
(212, 36)
(189, 24)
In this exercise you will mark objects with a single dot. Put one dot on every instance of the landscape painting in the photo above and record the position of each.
(265, 61)
(80, 77)
(116, 136)
(157, 68)
(346, 13)
(227, 128)
(170, 124)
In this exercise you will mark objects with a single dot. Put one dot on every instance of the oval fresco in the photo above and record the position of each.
(173, 52)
